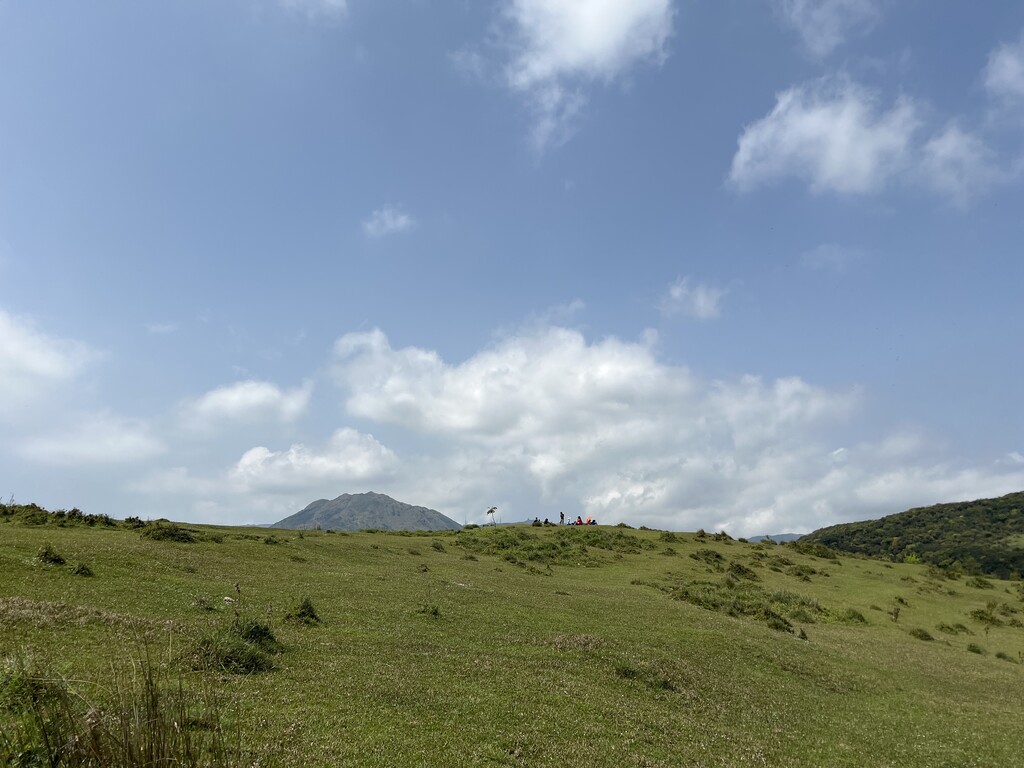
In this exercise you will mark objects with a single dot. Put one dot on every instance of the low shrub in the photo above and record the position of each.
(48, 555)
(82, 570)
(437, 546)
(975, 648)
(987, 615)
(740, 571)
(921, 634)
(159, 531)
(979, 582)
(1006, 657)
(709, 557)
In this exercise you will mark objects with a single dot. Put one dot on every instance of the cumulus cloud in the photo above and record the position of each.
(501, 392)
(959, 165)
(697, 300)
(349, 456)
(1004, 73)
(831, 133)
(31, 362)
(387, 220)
(823, 25)
(625, 436)
(101, 438)
(563, 46)
(247, 402)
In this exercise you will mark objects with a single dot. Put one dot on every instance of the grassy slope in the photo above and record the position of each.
(575, 665)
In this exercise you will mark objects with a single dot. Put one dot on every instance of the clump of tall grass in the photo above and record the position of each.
(50, 556)
(143, 720)
(244, 647)
(304, 613)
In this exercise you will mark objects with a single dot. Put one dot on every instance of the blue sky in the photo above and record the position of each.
(747, 265)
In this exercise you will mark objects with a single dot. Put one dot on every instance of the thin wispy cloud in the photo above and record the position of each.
(1004, 72)
(102, 438)
(33, 362)
(160, 329)
(960, 166)
(697, 300)
(318, 9)
(388, 220)
(824, 25)
(831, 257)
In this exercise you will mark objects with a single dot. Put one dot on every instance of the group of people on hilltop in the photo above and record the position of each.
(561, 520)
(578, 521)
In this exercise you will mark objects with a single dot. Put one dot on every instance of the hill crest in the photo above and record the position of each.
(981, 536)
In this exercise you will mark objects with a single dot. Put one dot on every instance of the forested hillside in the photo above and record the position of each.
(983, 536)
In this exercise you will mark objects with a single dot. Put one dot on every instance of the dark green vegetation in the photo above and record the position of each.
(498, 646)
(984, 536)
(361, 511)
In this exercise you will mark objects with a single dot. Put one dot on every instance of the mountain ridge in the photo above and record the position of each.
(358, 511)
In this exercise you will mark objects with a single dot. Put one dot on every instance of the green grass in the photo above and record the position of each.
(534, 646)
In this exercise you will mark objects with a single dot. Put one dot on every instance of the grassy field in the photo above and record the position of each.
(535, 646)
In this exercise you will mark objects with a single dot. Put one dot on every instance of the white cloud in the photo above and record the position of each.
(960, 165)
(700, 301)
(561, 46)
(609, 427)
(1013, 459)
(161, 328)
(32, 362)
(314, 9)
(823, 25)
(102, 438)
(387, 220)
(350, 456)
(247, 402)
(1004, 73)
(829, 133)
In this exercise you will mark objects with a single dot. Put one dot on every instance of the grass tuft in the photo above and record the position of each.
(48, 555)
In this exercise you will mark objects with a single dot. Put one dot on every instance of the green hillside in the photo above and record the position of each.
(984, 536)
(514, 646)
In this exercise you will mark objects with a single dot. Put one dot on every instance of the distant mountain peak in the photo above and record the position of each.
(355, 511)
